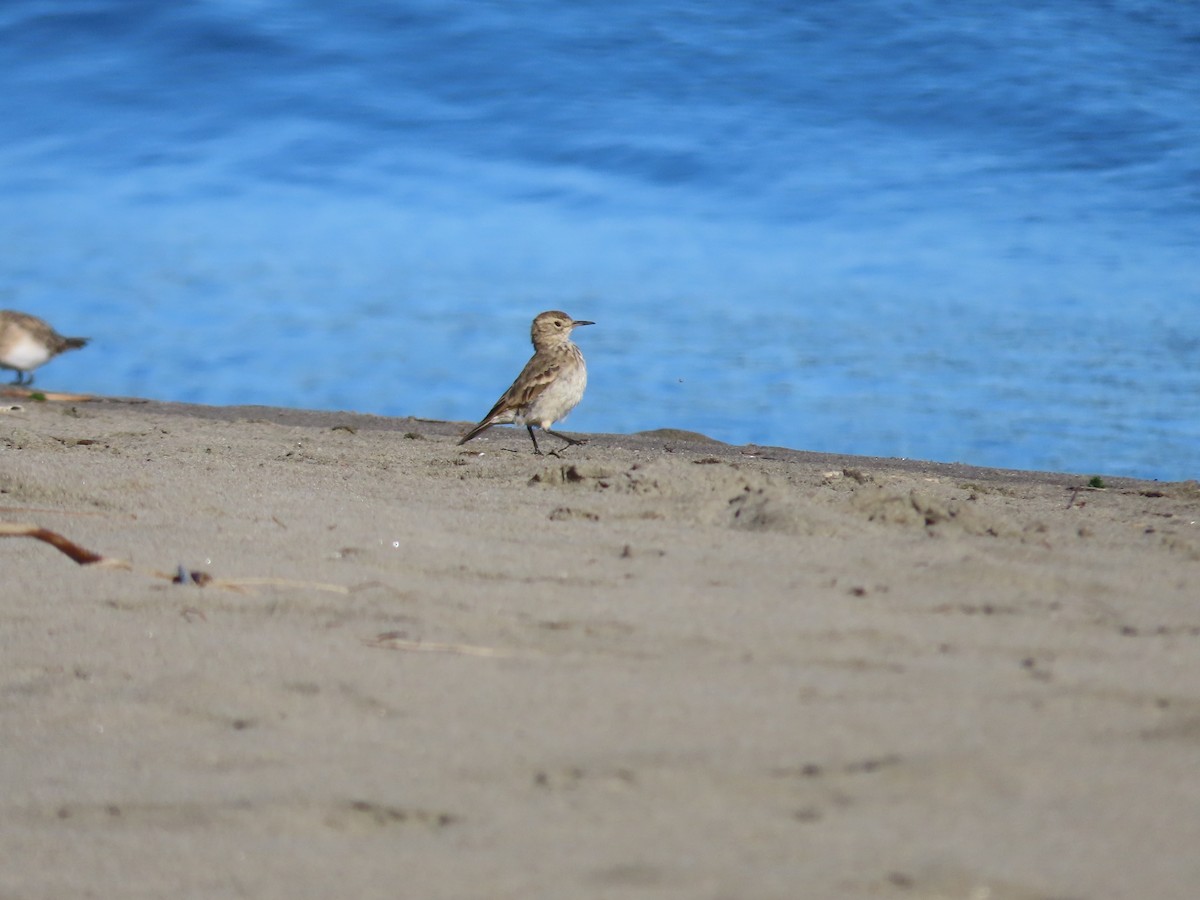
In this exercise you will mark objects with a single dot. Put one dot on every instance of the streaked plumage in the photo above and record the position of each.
(27, 342)
(550, 385)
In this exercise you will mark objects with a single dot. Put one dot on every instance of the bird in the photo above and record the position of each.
(550, 385)
(27, 342)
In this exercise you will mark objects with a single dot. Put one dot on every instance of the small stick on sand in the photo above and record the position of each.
(23, 393)
(181, 575)
(79, 554)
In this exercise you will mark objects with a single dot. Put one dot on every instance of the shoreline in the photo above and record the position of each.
(668, 439)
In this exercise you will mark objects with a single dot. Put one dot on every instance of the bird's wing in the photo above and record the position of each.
(539, 373)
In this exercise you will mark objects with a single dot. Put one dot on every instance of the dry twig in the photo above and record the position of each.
(181, 575)
(24, 393)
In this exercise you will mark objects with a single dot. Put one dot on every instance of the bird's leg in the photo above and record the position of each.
(536, 449)
(574, 442)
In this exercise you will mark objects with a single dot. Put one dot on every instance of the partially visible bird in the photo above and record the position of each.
(550, 385)
(27, 342)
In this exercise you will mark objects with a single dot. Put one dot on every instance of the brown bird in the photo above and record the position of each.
(27, 342)
(550, 385)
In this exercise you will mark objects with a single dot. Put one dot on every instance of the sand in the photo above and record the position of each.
(653, 666)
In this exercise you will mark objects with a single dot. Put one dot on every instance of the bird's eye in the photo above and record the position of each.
(558, 323)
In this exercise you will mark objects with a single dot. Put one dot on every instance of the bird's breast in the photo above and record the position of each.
(23, 352)
(559, 397)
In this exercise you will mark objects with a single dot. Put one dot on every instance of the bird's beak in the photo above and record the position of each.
(582, 323)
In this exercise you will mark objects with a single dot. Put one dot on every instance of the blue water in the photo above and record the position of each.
(963, 232)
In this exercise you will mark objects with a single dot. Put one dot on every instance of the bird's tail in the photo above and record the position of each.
(476, 431)
(74, 343)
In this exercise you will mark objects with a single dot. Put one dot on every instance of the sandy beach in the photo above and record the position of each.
(654, 666)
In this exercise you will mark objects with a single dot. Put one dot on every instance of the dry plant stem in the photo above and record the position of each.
(24, 393)
(79, 554)
(85, 557)
(282, 582)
